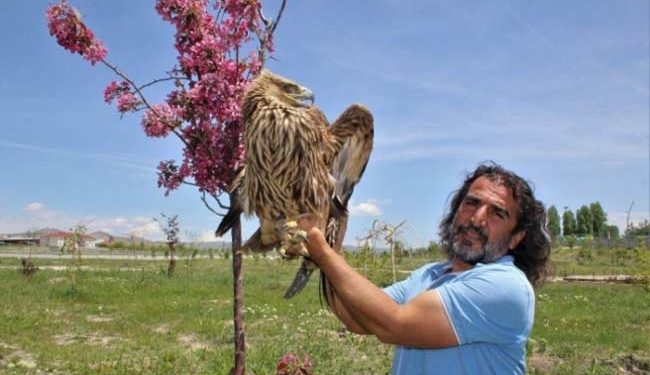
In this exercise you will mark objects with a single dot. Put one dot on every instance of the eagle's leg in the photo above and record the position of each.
(269, 236)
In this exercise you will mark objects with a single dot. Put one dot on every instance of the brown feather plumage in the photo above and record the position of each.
(296, 163)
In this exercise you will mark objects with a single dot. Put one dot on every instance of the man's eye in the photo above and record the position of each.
(471, 202)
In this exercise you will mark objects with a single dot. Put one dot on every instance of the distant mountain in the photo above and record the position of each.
(101, 235)
(49, 230)
(209, 245)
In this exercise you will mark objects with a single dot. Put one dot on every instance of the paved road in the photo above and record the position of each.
(96, 256)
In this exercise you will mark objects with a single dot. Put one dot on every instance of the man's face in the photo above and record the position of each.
(483, 225)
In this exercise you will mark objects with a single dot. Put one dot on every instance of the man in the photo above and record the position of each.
(471, 314)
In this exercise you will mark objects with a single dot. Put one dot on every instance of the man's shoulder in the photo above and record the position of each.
(434, 269)
(501, 273)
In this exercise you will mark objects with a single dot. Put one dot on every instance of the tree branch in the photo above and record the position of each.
(160, 80)
(274, 24)
(117, 71)
(205, 202)
(223, 206)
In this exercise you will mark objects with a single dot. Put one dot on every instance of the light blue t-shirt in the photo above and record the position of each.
(491, 308)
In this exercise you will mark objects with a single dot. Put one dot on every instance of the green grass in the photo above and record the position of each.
(579, 327)
(585, 261)
(124, 322)
(138, 321)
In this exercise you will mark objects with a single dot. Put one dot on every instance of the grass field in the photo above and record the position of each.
(127, 317)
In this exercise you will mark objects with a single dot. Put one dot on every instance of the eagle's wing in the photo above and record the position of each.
(235, 209)
(349, 151)
(353, 131)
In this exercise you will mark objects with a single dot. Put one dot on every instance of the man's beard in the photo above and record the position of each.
(489, 251)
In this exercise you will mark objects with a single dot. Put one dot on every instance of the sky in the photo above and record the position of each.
(556, 91)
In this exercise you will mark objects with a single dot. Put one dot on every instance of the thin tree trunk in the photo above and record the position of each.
(392, 261)
(238, 285)
(172, 262)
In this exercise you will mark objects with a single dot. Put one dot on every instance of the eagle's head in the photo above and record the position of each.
(281, 89)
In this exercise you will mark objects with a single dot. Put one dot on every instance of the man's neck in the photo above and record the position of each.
(458, 265)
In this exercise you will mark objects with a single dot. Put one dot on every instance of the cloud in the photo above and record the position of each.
(140, 226)
(148, 229)
(208, 236)
(124, 160)
(34, 207)
(367, 208)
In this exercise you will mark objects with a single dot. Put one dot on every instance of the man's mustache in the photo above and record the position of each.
(482, 233)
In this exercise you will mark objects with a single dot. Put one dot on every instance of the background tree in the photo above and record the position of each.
(389, 233)
(612, 232)
(568, 223)
(72, 244)
(584, 221)
(639, 229)
(598, 220)
(221, 46)
(169, 226)
(553, 222)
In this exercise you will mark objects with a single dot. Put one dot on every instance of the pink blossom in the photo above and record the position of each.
(289, 364)
(159, 120)
(111, 91)
(127, 102)
(64, 23)
(168, 176)
(126, 99)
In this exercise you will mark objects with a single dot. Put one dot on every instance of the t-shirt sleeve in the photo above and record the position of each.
(493, 305)
(398, 291)
(402, 290)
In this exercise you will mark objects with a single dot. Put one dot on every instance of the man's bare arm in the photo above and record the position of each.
(422, 322)
(351, 320)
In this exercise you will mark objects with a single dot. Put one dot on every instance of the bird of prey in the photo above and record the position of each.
(296, 165)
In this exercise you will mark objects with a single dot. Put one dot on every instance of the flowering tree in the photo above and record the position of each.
(221, 46)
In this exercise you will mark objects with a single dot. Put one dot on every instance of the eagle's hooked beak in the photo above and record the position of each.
(305, 95)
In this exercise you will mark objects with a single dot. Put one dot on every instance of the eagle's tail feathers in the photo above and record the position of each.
(300, 280)
(236, 207)
(227, 221)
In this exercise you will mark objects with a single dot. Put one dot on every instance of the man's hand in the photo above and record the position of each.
(316, 243)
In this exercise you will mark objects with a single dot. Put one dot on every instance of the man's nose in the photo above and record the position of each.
(479, 218)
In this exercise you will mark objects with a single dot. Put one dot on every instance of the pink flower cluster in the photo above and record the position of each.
(126, 99)
(209, 54)
(220, 48)
(169, 176)
(64, 23)
(159, 120)
(289, 364)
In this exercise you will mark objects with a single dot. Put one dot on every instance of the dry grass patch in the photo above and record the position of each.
(93, 338)
(99, 319)
(191, 341)
(11, 356)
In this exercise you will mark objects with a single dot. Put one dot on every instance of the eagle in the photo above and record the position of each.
(297, 165)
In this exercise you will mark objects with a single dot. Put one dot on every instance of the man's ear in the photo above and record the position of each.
(515, 239)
